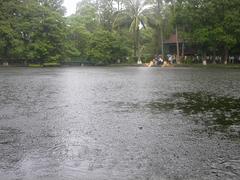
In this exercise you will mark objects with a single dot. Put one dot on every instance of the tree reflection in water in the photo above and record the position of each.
(217, 112)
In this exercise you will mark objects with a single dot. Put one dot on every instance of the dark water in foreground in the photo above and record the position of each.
(119, 123)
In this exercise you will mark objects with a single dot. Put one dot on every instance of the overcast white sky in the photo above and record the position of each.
(71, 6)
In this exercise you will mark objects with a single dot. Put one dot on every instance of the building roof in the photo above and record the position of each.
(172, 39)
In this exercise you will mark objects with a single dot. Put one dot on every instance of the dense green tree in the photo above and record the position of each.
(103, 31)
(86, 14)
(212, 24)
(55, 5)
(77, 36)
(106, 14)
(33, 31)
(105, 47)
(90, 33)
(8, 16)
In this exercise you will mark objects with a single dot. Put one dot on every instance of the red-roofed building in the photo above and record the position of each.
(171, 47)
(173, 39)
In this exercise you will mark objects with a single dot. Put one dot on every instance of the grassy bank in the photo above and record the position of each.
(232, 66)
(44, 65)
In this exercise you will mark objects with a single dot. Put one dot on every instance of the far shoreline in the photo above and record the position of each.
(228, 66)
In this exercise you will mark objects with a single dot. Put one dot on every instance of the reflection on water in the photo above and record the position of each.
(218, 112)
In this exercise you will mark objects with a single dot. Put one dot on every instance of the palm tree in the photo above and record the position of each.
(156, 20)
(135, 11)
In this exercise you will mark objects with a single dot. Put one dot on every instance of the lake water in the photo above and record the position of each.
(119, 123)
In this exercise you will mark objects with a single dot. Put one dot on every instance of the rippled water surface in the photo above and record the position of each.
(119, 123)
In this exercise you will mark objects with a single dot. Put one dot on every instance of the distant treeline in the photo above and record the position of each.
(114, 31)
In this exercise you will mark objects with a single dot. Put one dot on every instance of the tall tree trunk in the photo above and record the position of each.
(226, 52)
(214, 56)
(135, 44)
(204, 58)
(139, 61)
(6, 51)
(98, 13)
(177, 45)
(159, 30)
(157, 37)
(183, 52)
(118, 5)
(162, 45)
